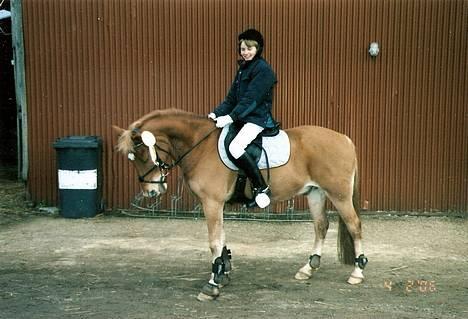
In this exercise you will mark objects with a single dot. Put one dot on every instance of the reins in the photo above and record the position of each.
(190, 149)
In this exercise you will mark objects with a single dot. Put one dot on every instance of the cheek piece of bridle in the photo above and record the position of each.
(150, 141)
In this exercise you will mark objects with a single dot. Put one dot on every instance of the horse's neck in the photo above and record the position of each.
(182, 133)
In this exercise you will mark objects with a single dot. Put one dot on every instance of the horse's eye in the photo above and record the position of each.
(131, 156)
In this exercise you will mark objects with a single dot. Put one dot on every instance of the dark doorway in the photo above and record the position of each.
(8, 118)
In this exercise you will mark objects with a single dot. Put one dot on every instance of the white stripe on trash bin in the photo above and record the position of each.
(86, 179)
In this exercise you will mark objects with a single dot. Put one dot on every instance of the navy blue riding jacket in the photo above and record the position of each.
(250, 97)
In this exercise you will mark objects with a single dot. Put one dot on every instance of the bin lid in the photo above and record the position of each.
(78, 141)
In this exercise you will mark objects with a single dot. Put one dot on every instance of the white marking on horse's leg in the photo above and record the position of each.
(318, 245)
(358, 247)
(211, 281)
(217, 244)
(316, 200)
(357, 276)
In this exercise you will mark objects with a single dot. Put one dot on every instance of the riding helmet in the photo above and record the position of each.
(252, 34)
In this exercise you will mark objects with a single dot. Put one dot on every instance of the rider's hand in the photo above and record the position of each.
(212, 116)
(222, 121)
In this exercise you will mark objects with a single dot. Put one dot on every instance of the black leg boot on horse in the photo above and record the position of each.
(260, 189)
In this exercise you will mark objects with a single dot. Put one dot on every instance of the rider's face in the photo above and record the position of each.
(247, 53)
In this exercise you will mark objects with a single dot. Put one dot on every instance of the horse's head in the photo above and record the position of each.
(141, 149)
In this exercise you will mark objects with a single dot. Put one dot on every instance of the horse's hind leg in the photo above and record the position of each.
(350, 238)
(316, 201)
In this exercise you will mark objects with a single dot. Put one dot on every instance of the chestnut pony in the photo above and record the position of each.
(322, 165)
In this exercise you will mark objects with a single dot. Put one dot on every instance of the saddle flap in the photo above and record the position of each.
(277, 150)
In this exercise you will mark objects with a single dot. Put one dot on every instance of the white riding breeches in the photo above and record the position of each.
(245, 136)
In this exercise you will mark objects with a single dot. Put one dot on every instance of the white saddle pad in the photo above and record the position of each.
(277, 147)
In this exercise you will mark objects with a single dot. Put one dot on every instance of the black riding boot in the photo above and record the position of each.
(260, 188)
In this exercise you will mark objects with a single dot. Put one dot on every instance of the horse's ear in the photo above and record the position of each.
(117, 130)
(136, 128)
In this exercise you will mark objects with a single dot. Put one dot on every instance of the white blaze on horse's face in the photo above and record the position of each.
(149, 140)
(150, 175)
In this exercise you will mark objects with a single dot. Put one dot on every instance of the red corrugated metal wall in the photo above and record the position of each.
(90, 64)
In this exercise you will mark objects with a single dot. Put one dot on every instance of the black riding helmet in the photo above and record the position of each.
(252, 34)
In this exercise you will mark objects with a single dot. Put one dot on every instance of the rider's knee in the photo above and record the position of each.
(236, 150)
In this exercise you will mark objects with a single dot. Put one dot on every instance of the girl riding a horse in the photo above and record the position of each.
(248, 106)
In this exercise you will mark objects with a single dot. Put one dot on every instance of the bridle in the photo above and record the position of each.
(163, 167)
(160, 164)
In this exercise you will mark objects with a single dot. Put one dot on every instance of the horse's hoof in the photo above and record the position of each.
(209, 293)
(355, 280)
(305, 272)
(203, 297)
(224, 281)
(356, 277)
(302, 276)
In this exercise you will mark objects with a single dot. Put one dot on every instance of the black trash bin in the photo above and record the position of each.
(79, 175)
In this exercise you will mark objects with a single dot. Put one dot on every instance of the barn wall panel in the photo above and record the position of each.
(91, 64)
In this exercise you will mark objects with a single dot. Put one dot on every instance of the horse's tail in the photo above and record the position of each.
(346, 253)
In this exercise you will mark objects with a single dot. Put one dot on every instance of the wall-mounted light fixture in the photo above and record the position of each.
(374, 49)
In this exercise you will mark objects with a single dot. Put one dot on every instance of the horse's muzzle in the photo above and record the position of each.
(155, 192)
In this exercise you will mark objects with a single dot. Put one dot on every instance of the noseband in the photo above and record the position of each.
(164, 167)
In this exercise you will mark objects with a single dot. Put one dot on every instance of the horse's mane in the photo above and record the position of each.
(165, 113)
(125, 143)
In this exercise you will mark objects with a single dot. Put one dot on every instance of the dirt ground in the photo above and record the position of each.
(119, 267)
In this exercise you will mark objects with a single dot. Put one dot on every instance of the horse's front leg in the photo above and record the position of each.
(221, 264)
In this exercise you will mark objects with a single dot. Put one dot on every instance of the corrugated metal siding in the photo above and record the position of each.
(91, 64)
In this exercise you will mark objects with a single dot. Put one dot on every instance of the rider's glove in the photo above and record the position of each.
(222, 121)
(212, 116)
